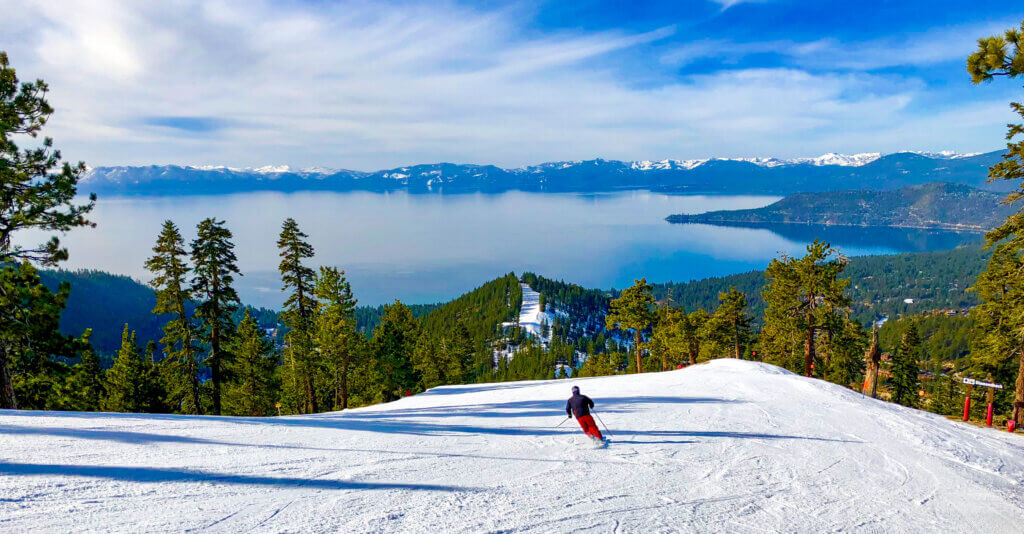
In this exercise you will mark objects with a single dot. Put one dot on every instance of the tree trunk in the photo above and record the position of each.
(187, 352)
(736, 340)
(310, 391)
(694, 352)
(809, 353)
(1018, 396)
(344, 387)
(872, 358)
(7, 400)
(828, 352)
(639, 362)
(215, 370)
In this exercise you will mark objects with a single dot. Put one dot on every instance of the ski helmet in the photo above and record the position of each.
(575, 390)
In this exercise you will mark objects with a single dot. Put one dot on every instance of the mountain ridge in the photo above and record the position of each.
(713, 175)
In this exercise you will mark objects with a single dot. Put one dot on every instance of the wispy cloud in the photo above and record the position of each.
(367, 86)
(906, 49)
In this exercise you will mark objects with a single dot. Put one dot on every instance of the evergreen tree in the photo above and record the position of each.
(693, 332)
(37, 193)
(213, 273)
(905, 383)
(86, 385)
(252, 388)
(802, 296)
(126, 380)
(30, 341)
(845, 347)
(153, 392)
(169, 267)
(730, 325)
(394, 342)
(335, 331)
(1000, 286)
(632, 311)
(299, 307)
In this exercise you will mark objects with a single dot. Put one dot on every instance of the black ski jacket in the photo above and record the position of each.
(579, 405)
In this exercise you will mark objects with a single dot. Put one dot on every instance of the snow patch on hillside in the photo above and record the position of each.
(531, 319)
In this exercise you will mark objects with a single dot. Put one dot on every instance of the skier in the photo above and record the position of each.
(580, 405)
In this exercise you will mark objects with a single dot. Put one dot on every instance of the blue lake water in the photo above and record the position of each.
(427, 248)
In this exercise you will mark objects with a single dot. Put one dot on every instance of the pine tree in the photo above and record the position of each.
(633, 311)
(86, 385)
(299, 282)
(394, 341)
(693, 332)
(170, 271)
(1000, 286)
(153, 392)
(845, 347)
(668, 343)
(335, 331)
(126, 379)
(37, 193)
(458, 351)
(30, 340)
(730, 325)
(802, 296)
(251, 390)
(905, 383)
(213, 273)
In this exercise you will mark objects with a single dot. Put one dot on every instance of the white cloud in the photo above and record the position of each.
(367, 86)
(925, 48)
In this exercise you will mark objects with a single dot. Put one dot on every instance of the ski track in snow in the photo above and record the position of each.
(727, 446)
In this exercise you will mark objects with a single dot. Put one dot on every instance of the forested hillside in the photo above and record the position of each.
(105, 302)
(879, 285)
(932, 206)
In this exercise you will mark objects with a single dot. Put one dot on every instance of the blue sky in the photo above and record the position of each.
(369, 85)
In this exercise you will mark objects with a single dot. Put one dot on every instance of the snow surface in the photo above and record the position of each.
(728, 446)
(531, 318)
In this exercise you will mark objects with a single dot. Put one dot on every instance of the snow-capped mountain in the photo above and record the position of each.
(720, 175)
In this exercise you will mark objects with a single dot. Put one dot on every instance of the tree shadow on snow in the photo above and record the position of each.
(164, 475)
(725, 434)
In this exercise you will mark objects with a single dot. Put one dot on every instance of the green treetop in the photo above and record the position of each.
(37, 191)
(126, 391)
(335, 331)
(730, 324)
(905, 383)
(633, 310)
(801, 296)
(169, 267)
(1000, 327)
(298, 280)
(251, 392)
(213, 273)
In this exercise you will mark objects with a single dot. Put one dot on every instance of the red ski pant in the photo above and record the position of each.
(589, 428)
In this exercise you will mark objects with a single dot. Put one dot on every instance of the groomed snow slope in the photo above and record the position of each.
(728, 446)
(531, 318)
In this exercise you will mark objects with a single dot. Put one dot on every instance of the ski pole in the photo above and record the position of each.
(562, 423)
(606, 431)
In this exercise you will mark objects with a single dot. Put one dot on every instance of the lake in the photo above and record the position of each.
(429, 248)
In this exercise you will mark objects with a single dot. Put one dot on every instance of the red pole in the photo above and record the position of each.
(967, 407)
(988, 412)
